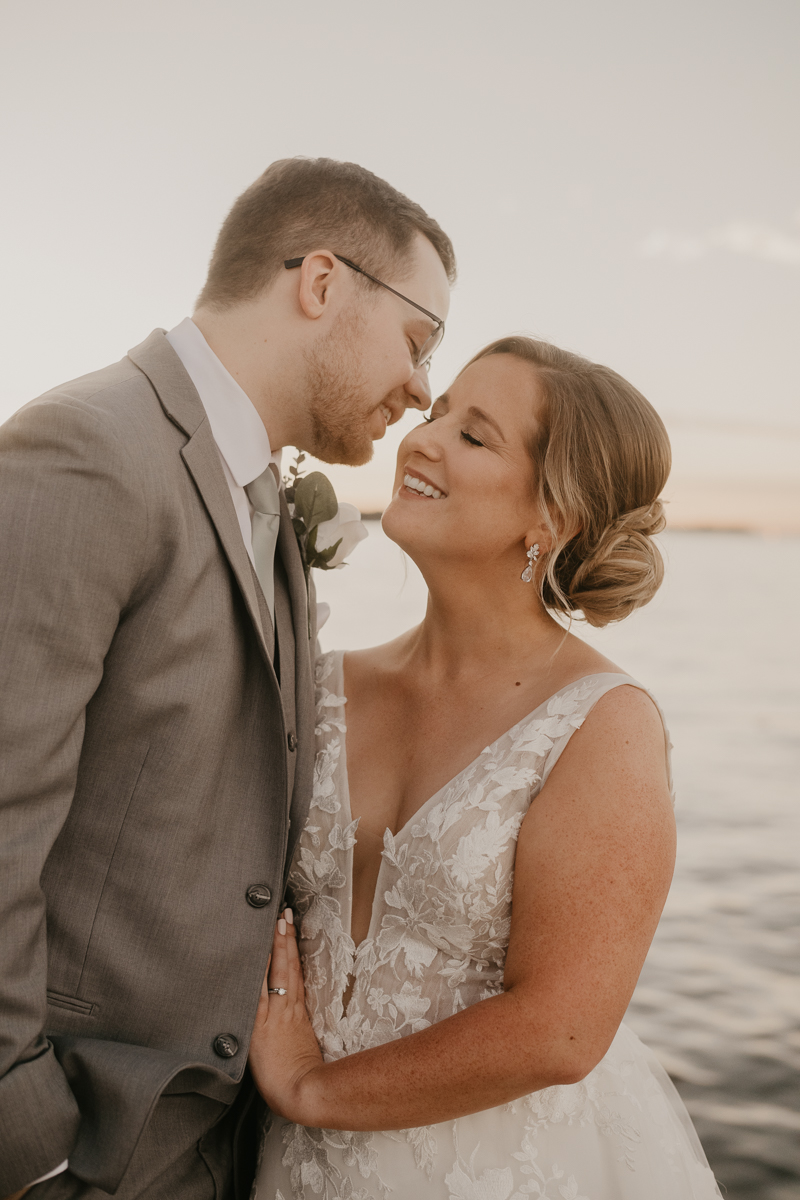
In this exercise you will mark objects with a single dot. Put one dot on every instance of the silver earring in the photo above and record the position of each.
(533, 556)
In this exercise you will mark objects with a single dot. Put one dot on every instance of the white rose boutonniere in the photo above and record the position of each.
(326, 530)
(341, 534)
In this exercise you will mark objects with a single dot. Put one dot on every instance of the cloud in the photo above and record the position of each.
(737, 237)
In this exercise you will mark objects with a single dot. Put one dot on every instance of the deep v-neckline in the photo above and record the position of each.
(345, 781)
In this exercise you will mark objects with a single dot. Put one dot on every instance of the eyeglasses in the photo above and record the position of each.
(423, 356)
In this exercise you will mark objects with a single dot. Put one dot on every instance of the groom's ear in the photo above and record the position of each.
(317, 272)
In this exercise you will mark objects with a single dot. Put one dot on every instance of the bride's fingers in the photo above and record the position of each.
(296, 988)
(278, 975)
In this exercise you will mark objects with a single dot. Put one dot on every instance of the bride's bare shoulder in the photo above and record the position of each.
(576, 657)
(374, 663)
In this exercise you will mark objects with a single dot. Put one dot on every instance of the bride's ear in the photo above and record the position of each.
(539, 536)
(548, 533)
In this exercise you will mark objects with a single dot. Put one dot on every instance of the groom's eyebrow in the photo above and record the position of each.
(419, 326)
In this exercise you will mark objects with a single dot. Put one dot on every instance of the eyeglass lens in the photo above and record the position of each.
(428, 348)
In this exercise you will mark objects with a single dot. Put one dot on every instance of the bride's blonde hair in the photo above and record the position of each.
(601, 457)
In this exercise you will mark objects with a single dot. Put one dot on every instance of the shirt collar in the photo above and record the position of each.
(238, 430)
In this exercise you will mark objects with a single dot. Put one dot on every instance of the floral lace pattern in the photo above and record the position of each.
(437, 942)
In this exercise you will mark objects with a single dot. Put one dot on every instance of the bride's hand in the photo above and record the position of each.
(283, 1050)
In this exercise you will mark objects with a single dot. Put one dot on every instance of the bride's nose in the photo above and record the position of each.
(423, 439)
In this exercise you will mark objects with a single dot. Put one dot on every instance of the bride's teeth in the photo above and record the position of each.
(424, 489)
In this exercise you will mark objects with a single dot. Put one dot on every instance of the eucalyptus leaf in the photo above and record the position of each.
(321, 558)
(315, 500)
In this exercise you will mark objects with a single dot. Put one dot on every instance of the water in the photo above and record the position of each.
(719, 997)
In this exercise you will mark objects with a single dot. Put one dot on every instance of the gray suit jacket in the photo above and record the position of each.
(148, 780)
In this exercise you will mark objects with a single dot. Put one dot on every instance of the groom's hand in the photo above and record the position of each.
(284, 1054)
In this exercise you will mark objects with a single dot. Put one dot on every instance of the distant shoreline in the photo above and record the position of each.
(713, 504)
(689, 527)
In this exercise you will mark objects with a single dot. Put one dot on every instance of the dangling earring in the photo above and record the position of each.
(533, 555)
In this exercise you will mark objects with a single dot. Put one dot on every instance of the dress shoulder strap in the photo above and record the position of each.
(579, 699)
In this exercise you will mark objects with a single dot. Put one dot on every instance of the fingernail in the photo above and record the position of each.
(281, 926)
(289, 916)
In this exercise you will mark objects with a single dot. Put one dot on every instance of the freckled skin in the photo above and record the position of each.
(596, 850)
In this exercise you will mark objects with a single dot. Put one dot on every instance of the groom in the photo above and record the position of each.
(156, 706)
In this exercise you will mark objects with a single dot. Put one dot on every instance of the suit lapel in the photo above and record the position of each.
(202, 459)
(180, 401)
(290, 553)
(303, 677)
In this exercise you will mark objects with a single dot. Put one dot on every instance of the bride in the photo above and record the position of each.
(491, 839)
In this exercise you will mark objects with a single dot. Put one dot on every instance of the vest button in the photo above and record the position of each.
(292, 740)
(258, 894)
(226, 1045)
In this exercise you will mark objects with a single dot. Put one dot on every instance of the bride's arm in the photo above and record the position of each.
(593, 866)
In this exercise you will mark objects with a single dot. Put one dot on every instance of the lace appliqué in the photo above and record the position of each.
(311, 1168)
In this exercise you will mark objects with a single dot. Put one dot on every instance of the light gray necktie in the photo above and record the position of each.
(263, 495)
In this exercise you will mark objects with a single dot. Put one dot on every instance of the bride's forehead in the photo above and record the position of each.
(499, 380)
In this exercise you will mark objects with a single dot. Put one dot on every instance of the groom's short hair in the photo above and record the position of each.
(302, 204)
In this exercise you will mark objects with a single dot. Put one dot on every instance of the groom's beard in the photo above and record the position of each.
(339, 406)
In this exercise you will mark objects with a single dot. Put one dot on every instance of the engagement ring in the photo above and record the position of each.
(276, 991)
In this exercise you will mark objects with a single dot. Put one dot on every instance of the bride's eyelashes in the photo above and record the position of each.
(473, 441)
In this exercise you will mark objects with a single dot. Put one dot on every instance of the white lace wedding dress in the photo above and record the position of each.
(437, 943)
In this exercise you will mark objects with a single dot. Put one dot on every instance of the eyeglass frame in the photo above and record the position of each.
(291, 263)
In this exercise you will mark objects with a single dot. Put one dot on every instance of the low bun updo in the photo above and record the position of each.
(601, 458)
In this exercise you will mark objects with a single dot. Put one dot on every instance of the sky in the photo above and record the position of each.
(620, 178)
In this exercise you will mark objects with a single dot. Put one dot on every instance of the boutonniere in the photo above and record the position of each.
(326, 530)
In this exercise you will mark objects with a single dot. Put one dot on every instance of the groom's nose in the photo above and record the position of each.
(418, 390)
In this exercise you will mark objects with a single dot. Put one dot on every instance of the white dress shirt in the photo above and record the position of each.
(242, 440)
(238, 430)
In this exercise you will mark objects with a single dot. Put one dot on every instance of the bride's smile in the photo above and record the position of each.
(420, 488)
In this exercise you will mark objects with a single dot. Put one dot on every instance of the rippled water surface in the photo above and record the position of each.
(719, 997)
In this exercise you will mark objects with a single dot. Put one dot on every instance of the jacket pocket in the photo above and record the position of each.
(84, 1007)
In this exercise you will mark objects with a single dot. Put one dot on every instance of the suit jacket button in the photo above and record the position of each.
(292, 740)
(226, 1045)
(258, 894)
